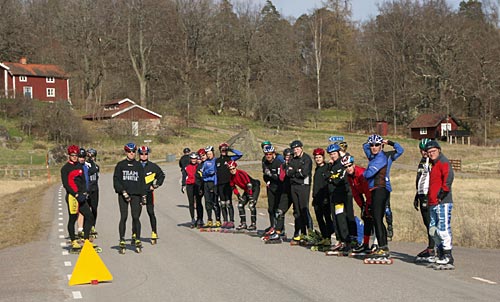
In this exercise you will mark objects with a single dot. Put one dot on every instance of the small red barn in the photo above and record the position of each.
(126, 111)
(42, 82)
(432, 125)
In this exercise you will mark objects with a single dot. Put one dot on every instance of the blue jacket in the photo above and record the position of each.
(379, 166)
(209, 171)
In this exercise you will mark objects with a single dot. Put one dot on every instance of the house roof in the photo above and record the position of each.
(37, 70)
(108, 113)
(427, 120)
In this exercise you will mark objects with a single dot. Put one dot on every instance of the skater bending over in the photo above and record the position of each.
(251, 190)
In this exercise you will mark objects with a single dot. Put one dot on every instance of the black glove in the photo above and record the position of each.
(240, 199)
(415, 202)
(183, 189)
(424, 204)
(267, 172)
(126, 196)
(442, 195)
(155, 185)
(144, 200)
(81, 197)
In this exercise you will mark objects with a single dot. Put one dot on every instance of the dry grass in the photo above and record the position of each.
(20, 211)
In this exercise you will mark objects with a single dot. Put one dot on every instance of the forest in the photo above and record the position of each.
(235, 57)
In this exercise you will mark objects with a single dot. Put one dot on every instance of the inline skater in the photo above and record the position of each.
(82, 154)
(440, 204)
(184, 160)
(251, 190)
(271, 169)
(421, 201)
(377, 174)
(129, 183)
(209, 174)
(73, 181)
(192, 187)
(224, 191)
(93, 197)
(154, 177)
(299, 170)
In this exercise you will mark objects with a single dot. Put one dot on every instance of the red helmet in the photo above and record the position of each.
(202, 151)
(130, 147)
(224, 146)
(73, 149)
(143, 150)
(319, 151)
(231, 164)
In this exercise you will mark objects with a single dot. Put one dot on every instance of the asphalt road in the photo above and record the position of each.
(187, 265)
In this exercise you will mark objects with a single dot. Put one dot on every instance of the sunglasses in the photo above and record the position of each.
(374, 145)
(348, 166)
(73, 155)
(231, 169)
(131, 151)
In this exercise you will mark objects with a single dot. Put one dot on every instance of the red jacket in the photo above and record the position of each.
(359, 187)
(440, 181)
(240, 179)
(189, 176)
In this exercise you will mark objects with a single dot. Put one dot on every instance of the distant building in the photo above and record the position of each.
(42, 82)
(433, 125)
(126, 111)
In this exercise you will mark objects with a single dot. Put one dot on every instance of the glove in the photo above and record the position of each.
(240, 199)
(423, 206)
(442, 195)
(126, 196)
(267, 172)
(81, 197)
(144, 200)
(183, 189)
(415, 202)
(155, 185)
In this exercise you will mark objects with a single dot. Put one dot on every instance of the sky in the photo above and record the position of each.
(362, 10)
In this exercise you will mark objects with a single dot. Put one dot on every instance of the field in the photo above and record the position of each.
(476, 193)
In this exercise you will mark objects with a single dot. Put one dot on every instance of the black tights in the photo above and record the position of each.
(135, 209)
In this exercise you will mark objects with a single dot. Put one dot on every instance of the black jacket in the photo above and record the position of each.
(129, 176)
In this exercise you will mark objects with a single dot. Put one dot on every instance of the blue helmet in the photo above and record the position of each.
(375, 139)
(144, 150)
(130, 147)
(268, 149)
(333, 148)
(347, 160)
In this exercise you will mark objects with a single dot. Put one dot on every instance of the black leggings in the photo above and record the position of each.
(273, 202)
(88, 221)
(224, 192)
(194, 200)
(284, 205)
(300, 197)
(379, 202)
(253, 210)
(150, 207)
(426, 218)
(135, 209)
(93, 201)
(211, 202)
(323, 212)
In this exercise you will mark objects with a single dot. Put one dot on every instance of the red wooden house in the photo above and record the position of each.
(432, 125)
(42, 82)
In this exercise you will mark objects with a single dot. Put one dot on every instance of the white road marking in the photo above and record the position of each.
(61, 230)
(484, 280)
(60, 224)
(60, 213)
(67, 263)
(69, 276)
(77, 295)
(61, 236)
(65, 253)
(60, 209)
(63, 244)
(60, 218)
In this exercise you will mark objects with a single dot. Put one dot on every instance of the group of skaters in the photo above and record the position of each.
(337, 181)
(134, 181)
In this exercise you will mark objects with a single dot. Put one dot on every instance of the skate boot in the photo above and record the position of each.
(230, 225)
(193, 224)
(445, 261)
(252, 227)
(123, 246)
(138, 246)
(313, 238)
(380, 256)
(374, 247)
(154, 238)
(390, 232)
(207, 227)
(426, 256)
(242, 227)
(361, 250)
(93, 233)
(322, 246)
(224, 225)
(334, 250)
(297, 239)
(199, 223)
(218, 224)
(267, 232)
(75, 247)
(132, 241)
(345, 250)
(273, 238)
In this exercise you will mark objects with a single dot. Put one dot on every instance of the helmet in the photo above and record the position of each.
(375, 139)
(423, 142)
(265, 143)
(268, 149)
(92, 152)
(82, 153)
(347, 160)
(186, 150)
(202, 151)
(193, 155)
(73, 149)
(144, 150)
(223, 146)
(287, 151)
(432, 144)
(319, 151)
(343, 146)
(130, 147)
(333, 148)
(295, 144)
(209, 148)
(231, 164)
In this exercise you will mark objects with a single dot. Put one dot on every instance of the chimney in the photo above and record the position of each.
(23, 60)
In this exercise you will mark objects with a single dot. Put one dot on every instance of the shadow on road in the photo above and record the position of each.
(182, 206)
(403, 257)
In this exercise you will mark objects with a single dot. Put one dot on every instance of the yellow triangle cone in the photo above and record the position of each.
(89, 267)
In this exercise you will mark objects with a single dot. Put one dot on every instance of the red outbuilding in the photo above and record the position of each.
(433, 125)
(42, 82)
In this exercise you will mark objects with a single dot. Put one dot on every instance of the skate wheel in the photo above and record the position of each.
(138, 250)
(122, 251)
(153, 241)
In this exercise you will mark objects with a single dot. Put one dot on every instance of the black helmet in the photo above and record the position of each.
(432, 144)
(186, 150)
(287, 151)
(82, 153)
(295, 144)
(92, 152)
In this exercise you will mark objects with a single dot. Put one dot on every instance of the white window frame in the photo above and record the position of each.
(445, 128)
(423, 131)
(50, 79)
(23, 79)
(51, 92)
(26, 89)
